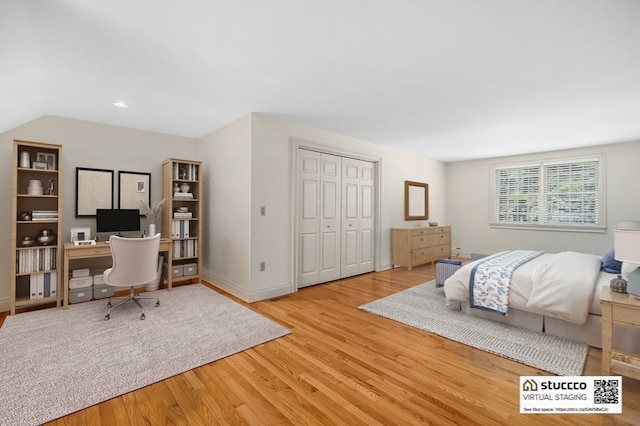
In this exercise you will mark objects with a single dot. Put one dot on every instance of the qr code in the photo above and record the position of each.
(606, 391)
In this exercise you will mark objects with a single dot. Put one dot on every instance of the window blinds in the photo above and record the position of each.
(517, 194)
(549, 193)
(571, 193)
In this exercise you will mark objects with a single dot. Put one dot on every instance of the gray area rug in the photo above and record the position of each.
(55, 361)
(423, 307)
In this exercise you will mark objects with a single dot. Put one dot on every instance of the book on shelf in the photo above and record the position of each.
(185, 171)
(44, 215)
(180, 229)
(183, 195)
(182, 215)
(43, 285)
(185, 248)
(36, 259)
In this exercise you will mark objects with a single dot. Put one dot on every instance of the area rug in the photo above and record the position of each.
(55, 361)
(423, 307)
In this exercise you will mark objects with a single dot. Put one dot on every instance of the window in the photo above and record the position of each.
(565, 194)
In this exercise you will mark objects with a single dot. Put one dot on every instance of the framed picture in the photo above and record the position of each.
(39, 165)
(134, 188)
(48, 158)
(94, 190)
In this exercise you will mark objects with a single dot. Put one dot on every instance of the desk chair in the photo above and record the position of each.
(134, 264)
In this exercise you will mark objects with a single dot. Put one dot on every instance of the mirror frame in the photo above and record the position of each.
(413, 208)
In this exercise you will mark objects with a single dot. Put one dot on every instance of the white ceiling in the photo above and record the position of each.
(449, 80)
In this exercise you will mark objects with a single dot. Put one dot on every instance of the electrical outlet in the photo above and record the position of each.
(263, 266)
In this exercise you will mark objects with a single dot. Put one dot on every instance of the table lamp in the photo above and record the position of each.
(627, 249)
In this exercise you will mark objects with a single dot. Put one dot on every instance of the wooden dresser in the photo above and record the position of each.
(416, 246)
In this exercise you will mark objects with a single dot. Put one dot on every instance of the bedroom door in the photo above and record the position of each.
(335, 217)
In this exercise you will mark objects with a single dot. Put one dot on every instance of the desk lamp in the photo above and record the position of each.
(627, 249)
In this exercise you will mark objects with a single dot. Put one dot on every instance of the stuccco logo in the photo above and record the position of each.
(563, 385)
(529, 385)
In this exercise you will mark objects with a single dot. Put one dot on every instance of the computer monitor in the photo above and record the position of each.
(117, 221)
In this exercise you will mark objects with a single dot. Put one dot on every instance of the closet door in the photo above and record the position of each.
(319, 213)
(357, 239)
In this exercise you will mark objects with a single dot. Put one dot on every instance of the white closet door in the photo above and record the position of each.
(367, 217)
(357, 240)
(319, 213)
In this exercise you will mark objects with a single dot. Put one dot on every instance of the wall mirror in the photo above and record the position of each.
(416, 200)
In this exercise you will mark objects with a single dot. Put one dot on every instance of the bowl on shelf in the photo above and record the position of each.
(432, 223)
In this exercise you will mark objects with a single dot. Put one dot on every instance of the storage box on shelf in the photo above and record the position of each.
(36, 219)
(182, 188)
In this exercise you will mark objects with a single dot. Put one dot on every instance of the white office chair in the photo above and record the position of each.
(134, 264)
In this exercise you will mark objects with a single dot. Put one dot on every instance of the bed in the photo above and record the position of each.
(555, 293)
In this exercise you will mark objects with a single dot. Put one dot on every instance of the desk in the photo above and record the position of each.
(625, 309)
(101, 249)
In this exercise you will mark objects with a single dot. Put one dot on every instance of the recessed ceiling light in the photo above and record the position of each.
(120, 104)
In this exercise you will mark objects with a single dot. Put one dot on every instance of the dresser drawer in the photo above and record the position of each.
(626, 315)
(421, 256)
(421, 231)
(442, 238)
(443, 250)
(441, 229)
(420, 241)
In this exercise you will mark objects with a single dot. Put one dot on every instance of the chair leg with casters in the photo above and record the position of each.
(133, 297)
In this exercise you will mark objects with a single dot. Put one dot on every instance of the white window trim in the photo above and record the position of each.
(599, 228)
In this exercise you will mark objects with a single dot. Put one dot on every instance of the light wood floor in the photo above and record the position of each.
(342, 366)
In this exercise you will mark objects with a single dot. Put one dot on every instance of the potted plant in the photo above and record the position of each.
(152, 213)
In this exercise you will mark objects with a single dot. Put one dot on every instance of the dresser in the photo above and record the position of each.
(419, 245)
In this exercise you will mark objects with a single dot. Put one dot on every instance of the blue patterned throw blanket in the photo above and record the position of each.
(490, 279)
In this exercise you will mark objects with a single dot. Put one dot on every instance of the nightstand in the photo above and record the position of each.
(620, 308)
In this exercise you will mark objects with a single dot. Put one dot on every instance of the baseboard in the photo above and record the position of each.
(232, 288)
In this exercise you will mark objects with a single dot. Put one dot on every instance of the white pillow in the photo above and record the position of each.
(628, 267)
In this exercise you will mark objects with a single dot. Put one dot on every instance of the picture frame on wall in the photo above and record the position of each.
(134, 188)
(416, 200)
(94, 190)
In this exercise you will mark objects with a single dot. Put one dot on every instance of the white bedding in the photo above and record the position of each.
(564, 285)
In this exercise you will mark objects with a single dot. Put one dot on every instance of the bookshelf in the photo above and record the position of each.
(36, 224)
(182, 188)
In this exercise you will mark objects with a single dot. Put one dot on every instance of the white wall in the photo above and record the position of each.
(468, 203)
(271, 172)
(226, 235)
(91, 145)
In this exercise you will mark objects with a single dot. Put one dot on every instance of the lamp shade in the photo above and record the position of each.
(627, 242)
(627, 249)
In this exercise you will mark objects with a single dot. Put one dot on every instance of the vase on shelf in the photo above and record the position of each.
(152, 229)
(184, 187)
